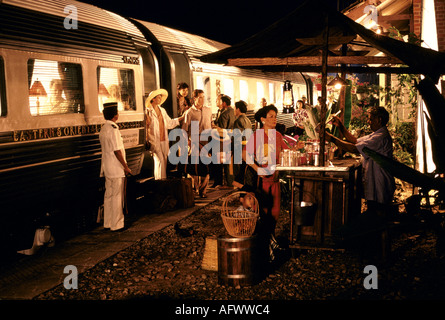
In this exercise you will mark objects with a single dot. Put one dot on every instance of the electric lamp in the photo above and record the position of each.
(103, 91)
(37, 90)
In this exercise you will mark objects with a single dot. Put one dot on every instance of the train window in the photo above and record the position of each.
(259, 92)
(116, 85)
(244, 90)
(271, 93)
(54, 87)
(228, 88)
(203, 83)
(2, 89)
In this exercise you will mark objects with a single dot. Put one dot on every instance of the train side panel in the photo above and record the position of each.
(53, 83)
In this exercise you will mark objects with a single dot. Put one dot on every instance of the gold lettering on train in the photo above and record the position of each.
(70, 131)
(130, 60)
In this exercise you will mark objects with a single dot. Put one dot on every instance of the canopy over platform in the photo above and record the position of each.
(317, 38)
(296, 42)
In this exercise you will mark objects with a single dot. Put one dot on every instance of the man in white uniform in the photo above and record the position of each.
(158, 124)
(114, 167)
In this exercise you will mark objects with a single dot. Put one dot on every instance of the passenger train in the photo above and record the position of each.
(60, 60)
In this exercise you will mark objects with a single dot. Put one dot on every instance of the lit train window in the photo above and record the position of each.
(244, 90)
(54, 87)
(271, 93)
(260, 92)
(228, 89)
(116, 85)
(2, 89)
(203, 83)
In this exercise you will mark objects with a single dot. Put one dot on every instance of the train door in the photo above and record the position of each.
(2, 89)
(182, 73)
(152, 79)
(150, 67)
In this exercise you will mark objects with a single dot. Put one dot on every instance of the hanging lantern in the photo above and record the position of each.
(288, 97)
(337, 82)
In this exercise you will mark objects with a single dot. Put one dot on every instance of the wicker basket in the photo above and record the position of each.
(239, 223)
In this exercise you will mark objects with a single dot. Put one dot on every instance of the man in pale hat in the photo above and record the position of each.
(113, 167)
(159, 123)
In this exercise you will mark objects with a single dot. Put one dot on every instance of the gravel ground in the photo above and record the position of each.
(168, 265)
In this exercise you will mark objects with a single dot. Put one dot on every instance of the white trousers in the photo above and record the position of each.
(160, 160)
(113, 203)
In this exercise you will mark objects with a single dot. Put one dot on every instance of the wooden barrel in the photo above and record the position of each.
(240, 261)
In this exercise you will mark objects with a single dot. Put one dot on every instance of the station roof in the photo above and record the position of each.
(296, 41)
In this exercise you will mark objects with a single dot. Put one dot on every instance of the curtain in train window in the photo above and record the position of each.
(2, 89)
(55, 87)
(116, 85)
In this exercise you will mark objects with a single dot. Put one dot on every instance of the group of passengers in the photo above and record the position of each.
(262, 148)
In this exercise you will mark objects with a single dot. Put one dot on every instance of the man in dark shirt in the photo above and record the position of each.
(225, 120)
(242, 122)
(227, 117)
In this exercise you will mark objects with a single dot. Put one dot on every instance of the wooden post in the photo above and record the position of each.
(342, 95)
(324, 82)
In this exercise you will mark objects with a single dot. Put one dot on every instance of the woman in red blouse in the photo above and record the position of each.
(262, 153)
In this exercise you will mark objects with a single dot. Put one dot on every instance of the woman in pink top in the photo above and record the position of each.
(262, 153)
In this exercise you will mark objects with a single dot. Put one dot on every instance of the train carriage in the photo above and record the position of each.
(178, 54)
(60, 60)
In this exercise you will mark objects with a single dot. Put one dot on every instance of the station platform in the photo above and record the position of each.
(28, 276)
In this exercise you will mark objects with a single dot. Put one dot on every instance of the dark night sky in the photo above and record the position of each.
(227, 21)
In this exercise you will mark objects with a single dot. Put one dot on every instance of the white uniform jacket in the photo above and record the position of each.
(110, 141)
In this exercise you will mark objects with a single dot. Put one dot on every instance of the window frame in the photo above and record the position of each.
(80, 86)
(3, 100)
(101, 101)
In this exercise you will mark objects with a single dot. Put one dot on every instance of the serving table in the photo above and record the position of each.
(335, 189)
